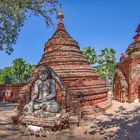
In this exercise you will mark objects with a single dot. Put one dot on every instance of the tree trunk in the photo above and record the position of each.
(107, 72)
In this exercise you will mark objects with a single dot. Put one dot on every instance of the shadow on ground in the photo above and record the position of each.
(7, 106)
(121, 125)
(118, 123)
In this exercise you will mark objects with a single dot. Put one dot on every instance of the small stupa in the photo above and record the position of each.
(127, 73)
(63, 55)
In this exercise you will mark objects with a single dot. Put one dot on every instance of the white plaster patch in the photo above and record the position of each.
(136, 101)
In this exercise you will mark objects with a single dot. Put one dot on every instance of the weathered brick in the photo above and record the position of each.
(129, 70)
(63, 55)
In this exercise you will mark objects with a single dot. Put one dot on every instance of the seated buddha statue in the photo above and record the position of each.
(43, 102)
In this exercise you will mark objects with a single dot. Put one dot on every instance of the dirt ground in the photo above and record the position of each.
(120, 122)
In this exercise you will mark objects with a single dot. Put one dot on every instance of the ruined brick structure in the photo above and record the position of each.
(127, 73)
(10, 92)
(63, 55)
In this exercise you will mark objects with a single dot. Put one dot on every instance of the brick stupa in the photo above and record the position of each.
(127, 73)
(63, 55)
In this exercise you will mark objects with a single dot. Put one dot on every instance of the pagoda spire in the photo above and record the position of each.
(60, 15)
(137, 36)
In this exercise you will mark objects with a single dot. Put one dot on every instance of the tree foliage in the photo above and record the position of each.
(107, 56)
(6, 76)
(13, 14)
(19, 72)
(105, 60)
(90, 54)
(101, 69)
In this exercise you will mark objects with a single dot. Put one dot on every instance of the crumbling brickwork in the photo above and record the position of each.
(10, 92)
(127, 73)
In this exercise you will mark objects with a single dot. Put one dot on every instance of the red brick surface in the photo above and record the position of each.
(63, 55)
(10, 92)
(129, 69)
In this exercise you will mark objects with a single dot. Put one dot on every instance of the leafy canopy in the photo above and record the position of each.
(19, 72)
(101, 69)
(107, 55)
(90, 54)
(13, 14)
(6, 76)
(105, 61)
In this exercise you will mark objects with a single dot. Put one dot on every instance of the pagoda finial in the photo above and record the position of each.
(60, 14)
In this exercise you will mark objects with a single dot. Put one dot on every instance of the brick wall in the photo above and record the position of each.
(10, 92)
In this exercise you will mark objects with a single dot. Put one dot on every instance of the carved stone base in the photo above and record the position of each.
(42, 114)
(52, 123)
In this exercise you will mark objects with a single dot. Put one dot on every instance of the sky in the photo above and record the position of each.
(95, 23)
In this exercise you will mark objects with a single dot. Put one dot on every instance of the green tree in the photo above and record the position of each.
(18, 69)
(6, 76)
(90, 54)
(28, 72)
(19, 72)
(107, 56)
(13, 14)
(101, 69)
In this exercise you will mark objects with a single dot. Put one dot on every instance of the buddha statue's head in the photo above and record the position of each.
(44, 74)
